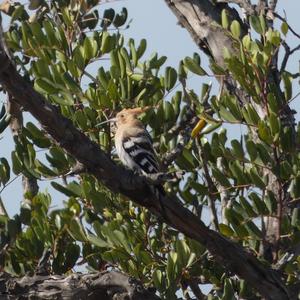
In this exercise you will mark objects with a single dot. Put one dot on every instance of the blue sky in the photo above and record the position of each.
(154, 21)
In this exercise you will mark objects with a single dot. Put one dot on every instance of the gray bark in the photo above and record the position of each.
(107, 285)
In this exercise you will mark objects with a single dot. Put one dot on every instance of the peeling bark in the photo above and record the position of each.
(107, 285)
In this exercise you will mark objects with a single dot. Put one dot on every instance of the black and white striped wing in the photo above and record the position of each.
(139, 149)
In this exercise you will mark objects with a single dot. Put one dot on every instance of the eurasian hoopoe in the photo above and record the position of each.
(134, 144)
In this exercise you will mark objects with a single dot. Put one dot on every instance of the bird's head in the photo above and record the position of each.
(129, 115)
(126, 116)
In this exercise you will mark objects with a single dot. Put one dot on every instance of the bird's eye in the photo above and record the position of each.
(122, 116)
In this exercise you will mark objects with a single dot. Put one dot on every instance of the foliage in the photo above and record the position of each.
(75, 55)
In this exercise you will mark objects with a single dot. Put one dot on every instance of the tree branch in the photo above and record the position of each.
(118, 180)
(105, 285)
(30, 186)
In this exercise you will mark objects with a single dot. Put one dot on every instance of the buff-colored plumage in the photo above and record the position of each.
(133, 142)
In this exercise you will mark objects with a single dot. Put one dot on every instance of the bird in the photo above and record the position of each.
(134, 145)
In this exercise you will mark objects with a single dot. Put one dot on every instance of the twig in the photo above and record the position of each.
(169, 157)
(8, 183)
(3, 211)
(286, 56)
(211, 187)
(245, 4)
(87, 74)
(288, 53)
(289, 27)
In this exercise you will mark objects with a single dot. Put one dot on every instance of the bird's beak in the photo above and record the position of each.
(107, 121)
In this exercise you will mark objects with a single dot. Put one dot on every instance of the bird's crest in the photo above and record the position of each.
(136, 110)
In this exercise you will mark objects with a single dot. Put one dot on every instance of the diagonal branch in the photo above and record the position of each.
(118, 180)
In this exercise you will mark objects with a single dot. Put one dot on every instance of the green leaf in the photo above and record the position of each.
(238, 172)
(44, 170)
(235, 29)
(294, 187)
(227, 115)
(72, 253)
(287, 140)
(172, 271)
(121, 18)
(183, 251)
(168, 111)
(256, 178)
(65, 190)
(76, 230)
(286, 170)
(170, 78)
(228, 290)
(4, 122)
(141, 48)
(46, 86)
(2, 112)
(193, 66)
(284, 28)
(262, 23)
(224, 18)
(50, 33)
(97, 241)
(274, 124)
(246, 41)
(220, 177)
(264, 133)
(65, 99)
(233, 217)
(251, 149)
(259, 205)
(17, 163)
(38, 33)
(287, 82)
(271, 202)
(107, 18)
(158, 279)
(247, 207)
(237, 149)
(253, 230)
(108, 42)
(90, 47)
(255, 24)
(226, 230)
(273, 103)
(4, 170)
(133, 52)
(296, 217)
(13, 227)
